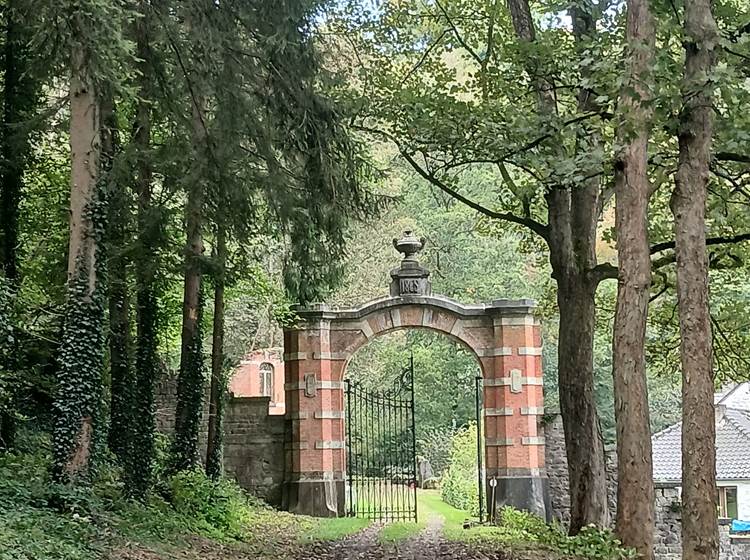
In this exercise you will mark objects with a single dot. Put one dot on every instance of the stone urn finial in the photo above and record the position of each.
(410, 279)
(409, 244)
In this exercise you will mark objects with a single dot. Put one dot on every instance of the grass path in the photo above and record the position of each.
(429, 506)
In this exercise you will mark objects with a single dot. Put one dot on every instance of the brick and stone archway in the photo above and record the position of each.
(503, 335)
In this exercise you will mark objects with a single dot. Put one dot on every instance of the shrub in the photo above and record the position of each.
(591, 543)
(216, 504)
(434, 444)
(459, 485)
(595, 544)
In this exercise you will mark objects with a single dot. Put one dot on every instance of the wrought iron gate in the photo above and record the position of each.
(381, 450)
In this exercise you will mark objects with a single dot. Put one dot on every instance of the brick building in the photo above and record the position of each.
(261, 374)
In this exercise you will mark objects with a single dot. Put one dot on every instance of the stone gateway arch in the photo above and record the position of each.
(504, 336)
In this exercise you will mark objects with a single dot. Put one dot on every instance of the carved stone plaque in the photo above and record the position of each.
(410, 286)
(516, 385)
(311, 385)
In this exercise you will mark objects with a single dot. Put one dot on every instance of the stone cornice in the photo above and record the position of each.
(497, 308)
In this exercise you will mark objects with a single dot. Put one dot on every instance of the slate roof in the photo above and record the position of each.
(732, 448)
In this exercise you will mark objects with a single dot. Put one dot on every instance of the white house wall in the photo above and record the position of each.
(743, 496)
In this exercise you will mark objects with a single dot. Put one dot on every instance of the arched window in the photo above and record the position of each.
(266, 380)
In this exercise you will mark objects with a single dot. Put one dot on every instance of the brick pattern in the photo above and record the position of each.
(509, 351)
(314, 393)
(246, 378)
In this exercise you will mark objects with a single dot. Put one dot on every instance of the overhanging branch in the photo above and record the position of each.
(732, 156)
(537, 227)
(719, 240)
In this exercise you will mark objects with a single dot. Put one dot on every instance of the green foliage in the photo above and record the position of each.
(190, 394)
(522, 530)
(40, 520)
(591, 542)
(7, 347)
(218, 504)
(459, 486)
(79, 388)
(434, 444)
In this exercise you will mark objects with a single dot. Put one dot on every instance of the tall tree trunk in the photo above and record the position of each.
(572, 217)
(146, 357)
(700, 540)
(216, 399)
(81, 348)
(583, 438)
(191, 380)
(635, 488)
(120, 343)
(19, 98)
(20, 92)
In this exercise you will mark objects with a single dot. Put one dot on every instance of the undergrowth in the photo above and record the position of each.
(516, 528)
(40, 520)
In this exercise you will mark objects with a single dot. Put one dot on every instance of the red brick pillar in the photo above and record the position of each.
(513, 406)
(315, 446)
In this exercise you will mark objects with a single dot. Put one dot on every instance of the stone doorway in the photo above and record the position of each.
(504, 335)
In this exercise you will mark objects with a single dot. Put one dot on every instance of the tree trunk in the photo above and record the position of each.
(20, 92)
(700, 540)
(583, 439)
(215, 403)
(635, 489)
(81, 349)
(191, 379)
(146, 357)
(120, 343)
(572, 219)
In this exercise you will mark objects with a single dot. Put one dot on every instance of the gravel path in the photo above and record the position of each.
(427, 545)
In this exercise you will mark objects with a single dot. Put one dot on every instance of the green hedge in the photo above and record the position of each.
(459, 485)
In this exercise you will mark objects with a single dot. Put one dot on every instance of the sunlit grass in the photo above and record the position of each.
(333, 528)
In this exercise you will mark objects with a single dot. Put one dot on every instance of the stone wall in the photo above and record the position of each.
(667, 537)
(557, 468)
(556, 463)
(253, 439)
(254, 447)
(668, 518)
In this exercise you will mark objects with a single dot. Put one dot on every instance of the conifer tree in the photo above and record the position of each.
(92, 63)
(20, 99)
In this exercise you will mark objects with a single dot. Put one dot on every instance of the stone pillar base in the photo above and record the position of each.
(527, 493)
(316, 498)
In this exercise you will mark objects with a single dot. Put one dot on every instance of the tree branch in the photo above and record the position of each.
(540, 229)
(460, 39)
(424, 56)
(604, 271)
(719, 240)
(731, 156)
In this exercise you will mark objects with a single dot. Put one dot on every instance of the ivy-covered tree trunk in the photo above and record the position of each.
(81, 349)
(146, 356)
(191, 381)
(122, 374)
(635, 488)
(216, 398)
(20, 92)
(700, 538)
(19, 99)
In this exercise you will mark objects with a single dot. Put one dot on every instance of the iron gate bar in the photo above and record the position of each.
(381, 450)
